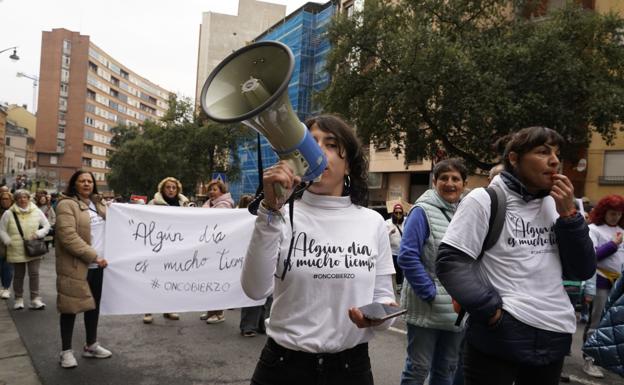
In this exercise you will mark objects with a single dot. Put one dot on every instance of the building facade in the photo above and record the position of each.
(3, 122)
(20, 117)
(83, 93)
(303, 31)
(221, 34)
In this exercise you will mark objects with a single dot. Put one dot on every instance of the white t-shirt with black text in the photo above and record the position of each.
(341, 259)
(524, 265)
(97, 233)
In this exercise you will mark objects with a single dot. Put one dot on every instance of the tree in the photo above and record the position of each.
(183, 145)
(456, 75)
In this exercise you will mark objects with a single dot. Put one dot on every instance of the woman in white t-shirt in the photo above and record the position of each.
(606, 231)
(521, 319)
(335, 258)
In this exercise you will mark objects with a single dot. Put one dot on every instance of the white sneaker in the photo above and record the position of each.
(96, 351)
(592, 370)
(19, 304)
(37, 304)
(67, 359)
(5, 294)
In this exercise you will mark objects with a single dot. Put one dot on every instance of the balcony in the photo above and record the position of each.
(611, 180)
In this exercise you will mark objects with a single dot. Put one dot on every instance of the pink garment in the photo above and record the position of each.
(225, 201)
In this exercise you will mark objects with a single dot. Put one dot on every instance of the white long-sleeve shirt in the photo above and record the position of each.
(341, 258)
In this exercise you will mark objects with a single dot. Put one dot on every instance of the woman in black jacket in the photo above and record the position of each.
(521, 320)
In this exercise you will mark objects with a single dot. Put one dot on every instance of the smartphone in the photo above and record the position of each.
(380, 312)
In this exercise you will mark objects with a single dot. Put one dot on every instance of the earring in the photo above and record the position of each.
(347, 186)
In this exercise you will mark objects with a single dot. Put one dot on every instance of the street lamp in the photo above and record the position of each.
(35, 80)
(13, 56)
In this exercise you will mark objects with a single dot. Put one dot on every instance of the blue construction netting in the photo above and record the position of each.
(304, 33)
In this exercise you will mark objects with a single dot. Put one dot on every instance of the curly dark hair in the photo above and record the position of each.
(609, 202)
(349, 145)
(71, 191)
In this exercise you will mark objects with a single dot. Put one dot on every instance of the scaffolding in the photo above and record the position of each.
(304, 32)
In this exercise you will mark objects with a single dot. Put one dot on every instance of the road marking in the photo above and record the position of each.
(400, 331)
(583, 381)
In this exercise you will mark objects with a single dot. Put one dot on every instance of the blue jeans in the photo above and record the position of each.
(430, 352)
(6, 273)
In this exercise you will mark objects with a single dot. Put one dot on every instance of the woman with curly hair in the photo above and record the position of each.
(606, 229)
(322, 258)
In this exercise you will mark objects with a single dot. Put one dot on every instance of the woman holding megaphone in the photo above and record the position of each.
(321, 260)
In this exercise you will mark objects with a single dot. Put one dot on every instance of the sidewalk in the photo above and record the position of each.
(16, 368)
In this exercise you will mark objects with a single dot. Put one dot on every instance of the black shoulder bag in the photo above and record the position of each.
(32, 247)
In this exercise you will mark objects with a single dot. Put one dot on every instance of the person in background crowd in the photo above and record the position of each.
(316, 332)
(80, 230)
(34, 226)
(495, 171)
(252, 318)
(606, 231)
(395, 231)
(43, 203)
(53, 200)
(6, 269)
(433, 338)
(521, 320)
(218, 198)
(169, 194)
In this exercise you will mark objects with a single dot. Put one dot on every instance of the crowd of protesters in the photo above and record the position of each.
(480, 273)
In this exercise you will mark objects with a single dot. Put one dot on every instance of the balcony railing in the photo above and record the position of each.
(611, 180)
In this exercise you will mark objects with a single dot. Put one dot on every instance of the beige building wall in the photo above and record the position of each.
(222, 34)
(597, 184)
(23, 118)
(3, 119)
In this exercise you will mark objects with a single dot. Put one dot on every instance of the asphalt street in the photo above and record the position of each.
(184, 352)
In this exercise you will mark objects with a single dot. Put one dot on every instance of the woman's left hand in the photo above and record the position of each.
(562, 192)
(360, 321)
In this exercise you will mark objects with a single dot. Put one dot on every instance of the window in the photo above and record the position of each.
(86, 162)
(64, 75)
(92, 66)
(90, 108)
(53, 159)
(115, 81)
(90, 94)
(65, 62)
(87, 148)
(64, 90)
(8, 141)
(123, 74)
(613, 172)
(114, 93)
(67, 47)
(62, 104)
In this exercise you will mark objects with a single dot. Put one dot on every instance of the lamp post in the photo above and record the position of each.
(35, 80)
(13, 56)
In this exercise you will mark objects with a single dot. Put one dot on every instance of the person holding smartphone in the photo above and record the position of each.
(521, 320)
(335, 257)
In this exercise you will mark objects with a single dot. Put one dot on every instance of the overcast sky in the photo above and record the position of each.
(155, 38)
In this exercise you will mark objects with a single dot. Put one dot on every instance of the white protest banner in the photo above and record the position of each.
(174, 259)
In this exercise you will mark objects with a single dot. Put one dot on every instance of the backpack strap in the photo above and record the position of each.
(498, 207)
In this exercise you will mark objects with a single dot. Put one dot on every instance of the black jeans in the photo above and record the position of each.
(91, 317)
(397, 269)
(484, 369)
(281, 366)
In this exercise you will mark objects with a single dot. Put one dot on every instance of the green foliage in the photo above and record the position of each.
(181, 145)
(457, 75)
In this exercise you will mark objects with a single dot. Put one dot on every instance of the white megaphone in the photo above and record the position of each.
(251, 86)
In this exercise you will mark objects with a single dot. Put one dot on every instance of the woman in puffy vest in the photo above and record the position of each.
(34, 225)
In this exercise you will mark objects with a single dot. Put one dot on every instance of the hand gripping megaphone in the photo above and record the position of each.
(251, 86)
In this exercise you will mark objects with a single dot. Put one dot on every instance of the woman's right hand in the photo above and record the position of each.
(101, 262)
(281, 174)
(617, 238)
